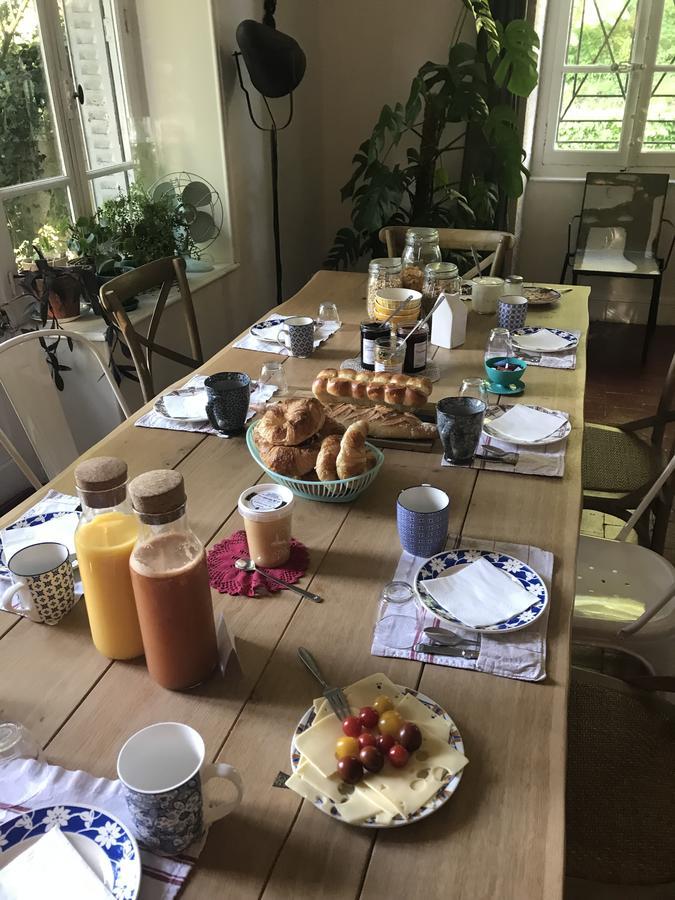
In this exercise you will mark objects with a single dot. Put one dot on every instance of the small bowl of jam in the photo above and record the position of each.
(505, 370)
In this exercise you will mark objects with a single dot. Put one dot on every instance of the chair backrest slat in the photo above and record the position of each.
(497, 244)
(161, 275)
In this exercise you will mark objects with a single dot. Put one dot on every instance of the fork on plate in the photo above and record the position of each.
(336, 699)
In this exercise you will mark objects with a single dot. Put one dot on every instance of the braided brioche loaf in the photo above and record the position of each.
(367, 388)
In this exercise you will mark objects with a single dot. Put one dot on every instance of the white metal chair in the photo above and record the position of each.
(625, 595)
(59, 425)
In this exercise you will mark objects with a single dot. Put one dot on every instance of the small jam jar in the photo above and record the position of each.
(389, 355)
(513, 285)
(371, 332)
(416, 348)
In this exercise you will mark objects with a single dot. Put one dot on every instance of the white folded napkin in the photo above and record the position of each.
(524, 423)
(479, 594)
(60, 531)
(186, 406)
(51, 867)
(543, 339)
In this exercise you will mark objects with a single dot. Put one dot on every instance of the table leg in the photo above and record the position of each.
(651, 319)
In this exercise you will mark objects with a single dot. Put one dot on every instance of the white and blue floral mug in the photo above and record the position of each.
(162, 769)
(43, 588)
(297, 335)
(422, 516)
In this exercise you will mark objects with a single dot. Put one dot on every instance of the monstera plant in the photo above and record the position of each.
(475, 90)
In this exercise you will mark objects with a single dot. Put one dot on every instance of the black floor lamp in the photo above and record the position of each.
(276, 64)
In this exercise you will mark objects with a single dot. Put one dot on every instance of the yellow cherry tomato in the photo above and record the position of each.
(382, 704)
(390, 722)
(346, 746)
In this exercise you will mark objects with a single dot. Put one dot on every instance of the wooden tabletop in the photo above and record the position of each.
(502, 833)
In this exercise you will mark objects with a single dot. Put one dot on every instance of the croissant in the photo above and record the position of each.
(291, 422)
(293, 462)
(366, 388)
(327, 458)
(352, 458)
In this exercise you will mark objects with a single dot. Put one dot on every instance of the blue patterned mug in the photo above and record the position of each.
(297, 335)
(161, 768)
(228, 395)
(512, 312)
(43, 588)
(422, 515)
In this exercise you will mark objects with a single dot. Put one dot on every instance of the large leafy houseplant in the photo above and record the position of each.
(471, 90)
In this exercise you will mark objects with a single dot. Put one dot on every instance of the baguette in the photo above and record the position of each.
(369, 388)
(382, 421)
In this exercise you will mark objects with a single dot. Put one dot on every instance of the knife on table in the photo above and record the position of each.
(447, 650)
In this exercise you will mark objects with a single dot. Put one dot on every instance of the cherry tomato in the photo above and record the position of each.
(368, 716)
(384, 742)
(366, 739)
(382, 704)
(410, 737)
(371, 759)
(351, 726)
(346, 746)
(350, 769)
(398, 756)
(390, 722)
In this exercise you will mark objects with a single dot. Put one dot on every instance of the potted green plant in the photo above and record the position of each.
(478, 87)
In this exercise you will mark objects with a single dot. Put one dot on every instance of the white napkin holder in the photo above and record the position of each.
(448, 324)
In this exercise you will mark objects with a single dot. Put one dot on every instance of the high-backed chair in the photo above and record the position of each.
(159, 275)
(497, 245)
(619, 231)
(619, 467)
(49, 417)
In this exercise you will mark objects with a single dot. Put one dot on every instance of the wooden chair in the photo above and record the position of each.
(160, 274)
(619, 467)
(497, 244)
(46, 415)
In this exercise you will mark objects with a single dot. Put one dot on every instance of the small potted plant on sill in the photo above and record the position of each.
(59, 289)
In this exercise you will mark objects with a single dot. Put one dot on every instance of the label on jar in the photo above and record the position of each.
(368, 352)
(393, 367)
(266, 501)
(420, 354)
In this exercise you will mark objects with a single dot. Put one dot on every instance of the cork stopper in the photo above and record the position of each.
(101, 481)
(157, 493)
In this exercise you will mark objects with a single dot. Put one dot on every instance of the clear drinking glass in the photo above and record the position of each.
(400, 617)
(273, 373)
(328, 313)
(16, 742)
(474, 387)
(499, 343)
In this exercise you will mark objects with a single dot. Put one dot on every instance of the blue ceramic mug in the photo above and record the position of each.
(460, 422)
(422, 516)
(228, 395)
(161, 768)
(512, 312)
(297, 336)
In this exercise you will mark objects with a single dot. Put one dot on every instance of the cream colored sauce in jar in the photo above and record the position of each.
(267, 511)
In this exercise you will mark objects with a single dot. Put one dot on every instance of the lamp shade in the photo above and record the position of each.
(275, 61)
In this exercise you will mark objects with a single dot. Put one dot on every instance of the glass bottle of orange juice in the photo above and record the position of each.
(104, 540)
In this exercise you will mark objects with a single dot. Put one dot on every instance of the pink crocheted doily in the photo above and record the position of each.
(227, 579)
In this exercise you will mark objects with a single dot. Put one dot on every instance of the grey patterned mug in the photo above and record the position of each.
(43, 588)
(162, 768)
(297, 335)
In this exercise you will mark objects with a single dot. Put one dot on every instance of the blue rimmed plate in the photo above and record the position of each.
(516, 569)
(28, 522)
(268, 330)
(571, 338)
(326, 805)
(104, 843)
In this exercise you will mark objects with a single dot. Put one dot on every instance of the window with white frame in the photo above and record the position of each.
(607, 97)
(64, 142)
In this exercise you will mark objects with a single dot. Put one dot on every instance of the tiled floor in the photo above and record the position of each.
(618, 388)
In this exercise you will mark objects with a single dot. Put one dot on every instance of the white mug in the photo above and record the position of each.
(485, 292)
(297, 335)
(43, 580)
(162, 769)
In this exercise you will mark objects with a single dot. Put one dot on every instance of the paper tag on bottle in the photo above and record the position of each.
(266, 500)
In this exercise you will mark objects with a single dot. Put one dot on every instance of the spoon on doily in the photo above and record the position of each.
(247, 565)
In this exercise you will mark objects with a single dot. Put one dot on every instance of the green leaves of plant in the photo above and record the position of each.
(485, 23)
(517, 66)
(503, 135)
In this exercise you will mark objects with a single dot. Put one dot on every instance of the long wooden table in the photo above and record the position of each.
(502, 834)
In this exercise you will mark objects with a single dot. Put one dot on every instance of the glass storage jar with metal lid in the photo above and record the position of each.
(421, 247)
(384, 272)
(389, 355)
(439, 276)
(416, 347)
(371, 332)
(513, 285)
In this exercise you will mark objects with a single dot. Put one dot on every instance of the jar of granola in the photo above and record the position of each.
(382, 273)
(421, 248)
(439, 276)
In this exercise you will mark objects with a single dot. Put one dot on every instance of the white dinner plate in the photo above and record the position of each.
(268, 330)
(571, 339)
(495, 412)
(181, 392)
(326, 805)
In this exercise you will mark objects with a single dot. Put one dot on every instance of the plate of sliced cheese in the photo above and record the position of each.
(405, 785)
